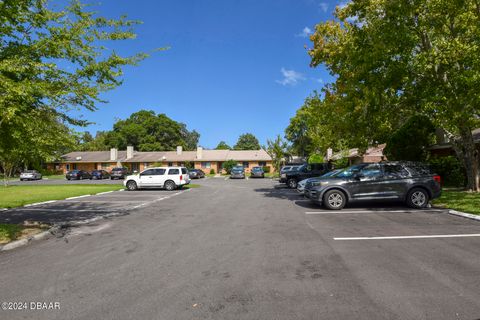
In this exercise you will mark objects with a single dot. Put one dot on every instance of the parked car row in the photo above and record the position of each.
(116, 173)
(30, 175)
(410, 182)
(238, 172)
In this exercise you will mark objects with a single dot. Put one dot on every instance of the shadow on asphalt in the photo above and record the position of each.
(283, 192)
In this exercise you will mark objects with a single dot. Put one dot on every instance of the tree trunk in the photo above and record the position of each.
(468, 153)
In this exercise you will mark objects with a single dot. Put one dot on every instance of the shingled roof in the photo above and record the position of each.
(168, 156)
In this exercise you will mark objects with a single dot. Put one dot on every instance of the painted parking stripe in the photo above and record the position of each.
(39, 203)
(411, 237)
(78, 197)
(106, 192)
(370, 211)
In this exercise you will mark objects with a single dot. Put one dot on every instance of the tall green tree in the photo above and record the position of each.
(247, 141)
(222, 145)
(146, 131)
(395, 59)
(53, 59)
(278, 150)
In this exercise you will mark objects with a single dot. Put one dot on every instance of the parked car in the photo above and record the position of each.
(30, 175)
(301, 184)
(99, 174)
(78, 175)
(237, 173)
(287, 168)
(196, 174)
(118, 173)
(293, 177)
(410, 182)
(257, 172)
(169, 178)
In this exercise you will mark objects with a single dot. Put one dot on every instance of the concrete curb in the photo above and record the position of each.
(464, 215)
(23, 242)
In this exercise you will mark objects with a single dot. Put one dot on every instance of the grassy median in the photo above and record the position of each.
(464, 201)
(15, 196)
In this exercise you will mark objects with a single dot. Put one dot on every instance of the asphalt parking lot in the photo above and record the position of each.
(247, 249)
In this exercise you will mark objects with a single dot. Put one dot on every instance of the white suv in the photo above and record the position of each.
(170, 178)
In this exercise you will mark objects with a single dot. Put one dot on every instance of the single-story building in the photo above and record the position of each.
(372, 154)
(206, 160)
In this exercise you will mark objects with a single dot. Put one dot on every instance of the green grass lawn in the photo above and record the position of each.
(459, 200)
(15, 196)
(55, 177)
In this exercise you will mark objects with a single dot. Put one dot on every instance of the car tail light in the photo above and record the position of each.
(438, 179)
(181, 177)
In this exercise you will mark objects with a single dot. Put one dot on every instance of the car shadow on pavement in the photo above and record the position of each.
(279, 192)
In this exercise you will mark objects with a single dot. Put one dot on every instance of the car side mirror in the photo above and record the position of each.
(135, 171)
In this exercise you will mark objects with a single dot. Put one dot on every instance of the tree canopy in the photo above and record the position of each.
(396, 59)
(145, 131)
(247, 141)
(53, 59)
(222, 145)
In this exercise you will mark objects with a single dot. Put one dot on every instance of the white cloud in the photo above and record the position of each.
(305, 32)
(290, 77)
(323, 6)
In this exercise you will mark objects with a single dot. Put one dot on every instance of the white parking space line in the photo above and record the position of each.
(226, 178)
(369, 211)
(78, 197)
(410, 237)
(106, 192)
(39, 203)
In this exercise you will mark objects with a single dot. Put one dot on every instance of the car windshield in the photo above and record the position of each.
(257, 169)
(117, 169)
(29, 171)
(331, 173)
(237, 170)
(348, 172)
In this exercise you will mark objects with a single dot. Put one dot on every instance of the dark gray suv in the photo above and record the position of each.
(410, 182)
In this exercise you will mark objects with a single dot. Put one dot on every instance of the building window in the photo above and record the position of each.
(135, 166)
(74, 166)
(206, 165)
(105, 165)
(170, 164)
(262, 163)
(146, 164)
(245, 164)
(67, 166)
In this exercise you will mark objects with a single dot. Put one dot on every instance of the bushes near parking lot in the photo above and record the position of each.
(15, 196)
(228, 165)
(266, 169)
(450, 169)
(212, 171)
(9, 232)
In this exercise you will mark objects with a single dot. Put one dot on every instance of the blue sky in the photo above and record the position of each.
(233, 66)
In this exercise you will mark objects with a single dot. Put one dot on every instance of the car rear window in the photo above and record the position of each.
(173, 171)
(418, 169)
(159, 172)
(184, 170)
(396, 171)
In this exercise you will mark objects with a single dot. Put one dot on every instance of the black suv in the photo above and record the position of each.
(401, 181)
(291, 178)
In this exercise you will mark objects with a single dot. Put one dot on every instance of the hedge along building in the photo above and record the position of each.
(206, 160)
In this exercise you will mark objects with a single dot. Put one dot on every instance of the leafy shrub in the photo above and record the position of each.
(228, 165)
(212, 171)
(316, 158)
(450, 170)
(341, 163)
(47, 172)
(266, 169)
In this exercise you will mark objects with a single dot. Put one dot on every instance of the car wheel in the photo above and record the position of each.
(334, 200)
(132, 185)
(21, 179)
(170, 185)
(417, 198)
(292, 183)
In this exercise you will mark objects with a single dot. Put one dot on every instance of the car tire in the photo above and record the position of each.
(21, 179)
(132, 185)
(334, 200)
(170, 185)
(292, 183)
(418, 198)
